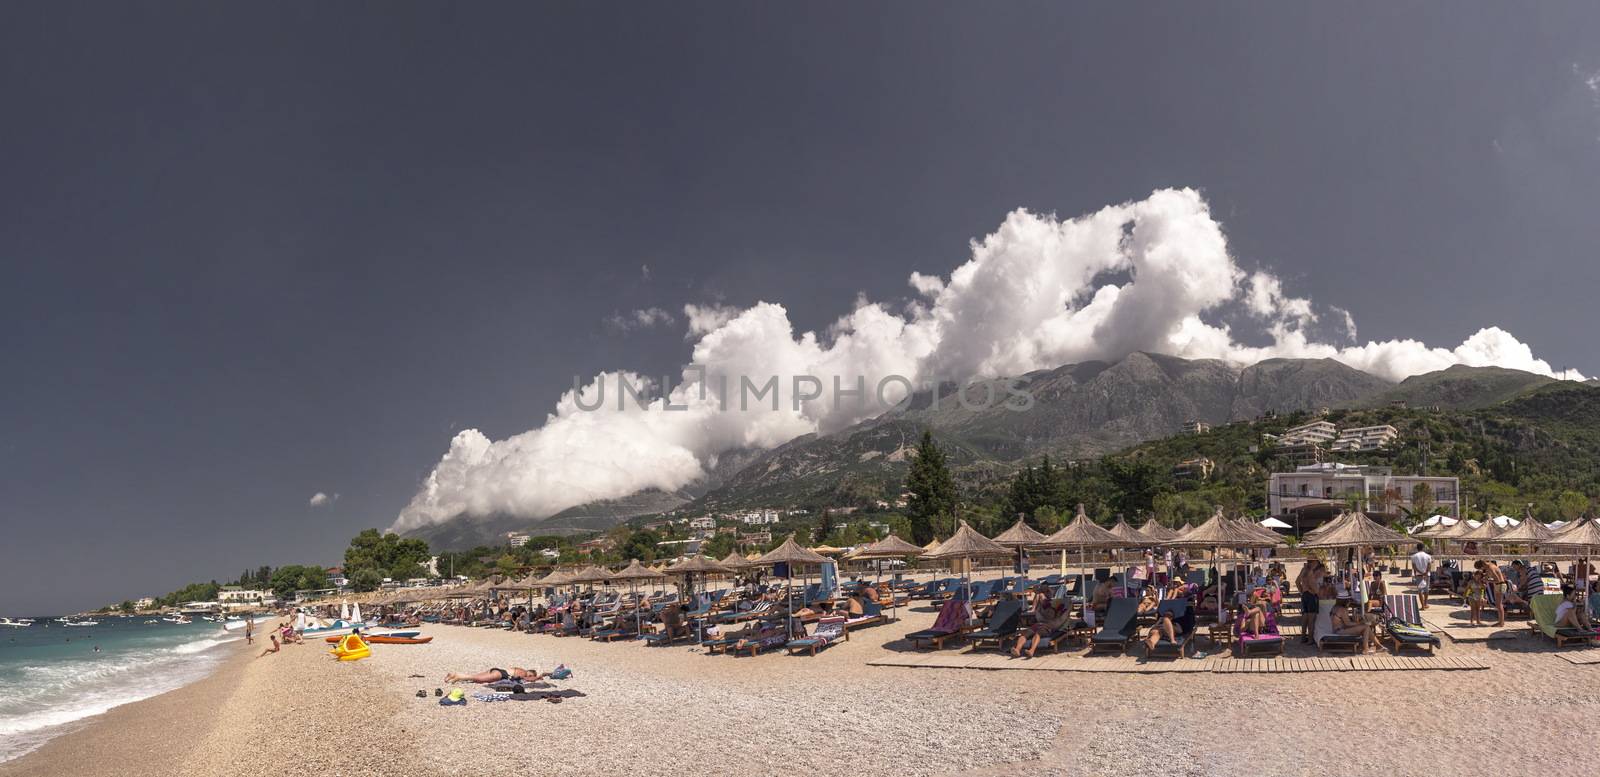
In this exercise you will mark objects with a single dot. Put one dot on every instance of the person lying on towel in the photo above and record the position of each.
(495, 675)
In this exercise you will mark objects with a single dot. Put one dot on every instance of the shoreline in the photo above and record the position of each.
(156, 732)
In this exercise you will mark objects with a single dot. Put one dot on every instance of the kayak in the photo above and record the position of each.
(375, 637)
(399, 640)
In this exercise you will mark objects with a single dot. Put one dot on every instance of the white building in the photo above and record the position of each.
(550, 553)
(1314, 432)
(516, 539)
(758, 517)
(703, 522)
(1365, 438)
(1320, 491)
(1196, 427)
(144, 603)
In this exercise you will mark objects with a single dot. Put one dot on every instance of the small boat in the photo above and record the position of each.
(16, 623)
(82, 623)
(152, 620)
(176, 619)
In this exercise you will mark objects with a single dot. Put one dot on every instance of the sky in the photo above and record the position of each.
(275, 274)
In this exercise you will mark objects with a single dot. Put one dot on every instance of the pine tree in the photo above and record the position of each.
(932, 489)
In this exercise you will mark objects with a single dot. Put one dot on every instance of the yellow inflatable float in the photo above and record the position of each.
(351, 648)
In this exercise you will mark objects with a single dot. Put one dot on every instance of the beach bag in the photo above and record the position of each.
(560, 673)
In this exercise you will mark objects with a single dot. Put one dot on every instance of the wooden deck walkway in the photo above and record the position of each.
(1219, 665)
(1581, 657)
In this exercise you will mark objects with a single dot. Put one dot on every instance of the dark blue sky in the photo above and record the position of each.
(254, 253)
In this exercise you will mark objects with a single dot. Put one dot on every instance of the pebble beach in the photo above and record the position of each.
(675, 710)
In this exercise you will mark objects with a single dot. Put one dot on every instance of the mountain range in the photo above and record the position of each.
(1078, 411)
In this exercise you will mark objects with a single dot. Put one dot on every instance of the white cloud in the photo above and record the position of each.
(320, 499)
(1039, 292)
(644, 318)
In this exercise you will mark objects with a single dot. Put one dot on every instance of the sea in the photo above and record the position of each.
(52, 677)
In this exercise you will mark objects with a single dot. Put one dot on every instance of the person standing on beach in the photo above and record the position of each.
(249, 631)
(1308, 580)
(1422, 570)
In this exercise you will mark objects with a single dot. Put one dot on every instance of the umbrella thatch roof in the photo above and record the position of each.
(1583, 534)
(1453, 531)
(826, 550)
(1263, 532)
(1526, 533)
(697, 563)
(1221, 532)
(967, 543)
(590, 574)
(1184, 529)
(1486, 532)
(789, 552)
(1082, 533)
(888, 547)
(1128, 534)
(735, 561)
(637, 571)
(1020, 535)
(1353, 530)
(556, 577)
(1156, 532)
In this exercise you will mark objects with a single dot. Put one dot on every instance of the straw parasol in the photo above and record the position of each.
(1581, 535)
(1220, 532)
(888, 547)
(1184, 529)
(633, 573)
(789, 554)
(1354, 530)
(1082, 534)
(1128, 534)
(735, 561)
(1157, 533)
(697, 563)
(967, 543)
(1019, 537)
(827, 550)
(1525, 533)
(1485, 533)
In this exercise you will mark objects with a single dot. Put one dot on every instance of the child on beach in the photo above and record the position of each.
(1474, 594)
(272, 649)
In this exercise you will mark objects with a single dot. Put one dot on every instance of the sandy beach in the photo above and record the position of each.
(676, 710)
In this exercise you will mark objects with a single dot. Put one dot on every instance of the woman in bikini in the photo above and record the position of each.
(495, 675)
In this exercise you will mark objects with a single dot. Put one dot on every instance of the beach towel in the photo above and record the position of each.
(952, 616)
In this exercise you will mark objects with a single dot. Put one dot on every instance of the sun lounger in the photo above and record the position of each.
(1119, 628)
(1327, 640)
(1002, 625)
(1182, 628)
(1268, 643)
(1544, 622)
(871, 615)
(950, 625)
(828, 631)
(1403, 624)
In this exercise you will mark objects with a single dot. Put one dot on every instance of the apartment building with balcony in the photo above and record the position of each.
(1316, 492)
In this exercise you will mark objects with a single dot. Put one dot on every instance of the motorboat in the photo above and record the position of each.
(179, 618)
(16, 623)
(81, 623)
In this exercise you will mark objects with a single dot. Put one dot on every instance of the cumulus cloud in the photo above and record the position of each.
(639, 319)
(1151, 275)
(320, 499)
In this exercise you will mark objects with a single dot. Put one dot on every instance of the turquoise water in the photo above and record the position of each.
(51, 677)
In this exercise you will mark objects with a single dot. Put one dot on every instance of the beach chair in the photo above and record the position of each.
(1544, 622)
(1403, 625)
(871, 615)
(1183, 630)
(774, 637)
(1003, 623)
(1268, 643)
(1325, 639)
(1120, 626)
(827, 631)
(951, 624)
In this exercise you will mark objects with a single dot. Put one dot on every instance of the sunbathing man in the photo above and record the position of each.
(1149, 602)
(1049, 616)
(495, 675)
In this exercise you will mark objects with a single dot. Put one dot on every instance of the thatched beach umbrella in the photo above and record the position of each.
(1581, 536)
(1355, 530)
(1082, 534)
(633, 573)
(1156, 533)
(1485, 533)
(1525, 533)
(968, 544)
(1020, 536)
(789, 554)
(1217, 533)
(888, 547)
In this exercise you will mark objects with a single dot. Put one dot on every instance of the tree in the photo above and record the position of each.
(387, 554)
(640, 545)
(1571, 505)
(507, 564)
(1422, 503)
(932, 489)
(824, 527)
(1136, 484)
(126, 607)
(285, 580)
(719, 546)
(365, 579)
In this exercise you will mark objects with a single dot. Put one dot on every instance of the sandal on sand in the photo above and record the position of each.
(438, 692)
(421, 694)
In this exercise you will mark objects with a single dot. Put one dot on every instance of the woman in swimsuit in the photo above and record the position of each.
(495, 675)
